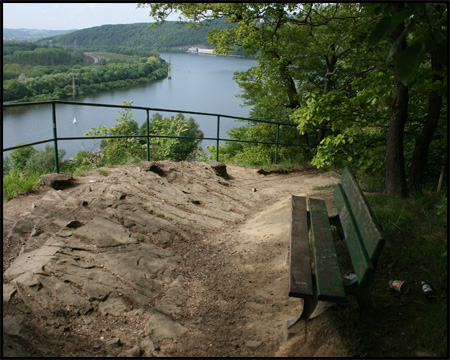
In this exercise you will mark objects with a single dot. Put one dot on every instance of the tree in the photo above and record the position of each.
(171, 148)
(314, 69)
(395, 163)
(120, 150)
(20, 156)
(43, 162)
(435, 22)
(15, 90)
(289, 42)
(28, 160)
(425, 27)
(6, 165)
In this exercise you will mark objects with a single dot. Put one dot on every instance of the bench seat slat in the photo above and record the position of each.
(327, 273)
(300, 279)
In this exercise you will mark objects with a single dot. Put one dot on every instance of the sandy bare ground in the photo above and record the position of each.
(226, 294)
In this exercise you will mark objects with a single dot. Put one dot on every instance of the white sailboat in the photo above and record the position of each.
(74, 120)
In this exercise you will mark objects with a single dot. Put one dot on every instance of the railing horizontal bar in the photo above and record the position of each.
(175, 137)
(143, 108)
(154, 136)
(131, 136)
(30, 144)
(262, 142)
(28, 103)
(141, 137)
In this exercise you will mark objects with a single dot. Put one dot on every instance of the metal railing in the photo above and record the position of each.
(55, 138)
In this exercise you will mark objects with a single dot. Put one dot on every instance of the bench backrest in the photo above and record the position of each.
(362, 230)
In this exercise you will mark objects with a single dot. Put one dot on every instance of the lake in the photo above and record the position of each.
(199, 83)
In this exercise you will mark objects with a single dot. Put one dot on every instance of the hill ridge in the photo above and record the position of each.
(137, 36)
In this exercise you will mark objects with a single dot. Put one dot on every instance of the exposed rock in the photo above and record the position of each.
(113, 342)
(170, 303)
(152, 166)
(104, 233)
(263, 172)
(253, 344)
(161, 326)
(135, 351)
(8, 291)
(220, 169)
(113, 305)
(57, 181)
(148, 346)
(102, 262)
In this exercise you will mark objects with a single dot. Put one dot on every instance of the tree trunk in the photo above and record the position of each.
(293, 102)
(419, 158)
(395, 167)
(331, 70)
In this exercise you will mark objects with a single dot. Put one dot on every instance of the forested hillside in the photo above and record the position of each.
(136, 37)
(30, 34)
(32, 73)
(40, 56)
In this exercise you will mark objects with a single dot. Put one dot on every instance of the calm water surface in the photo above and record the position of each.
(199, 83)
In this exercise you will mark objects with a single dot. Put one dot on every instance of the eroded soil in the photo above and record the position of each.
(180, 263)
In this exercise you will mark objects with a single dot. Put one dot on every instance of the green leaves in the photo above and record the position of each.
(170, 148)
(380, 31)
(409, 60)
(119, 150)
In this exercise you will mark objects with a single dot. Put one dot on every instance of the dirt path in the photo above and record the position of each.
(227, 295)
(237, 277)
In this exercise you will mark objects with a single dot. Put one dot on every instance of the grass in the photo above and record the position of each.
(324, 187)
(16, 184)
(406, 325)
(102, 171)
(286, 165)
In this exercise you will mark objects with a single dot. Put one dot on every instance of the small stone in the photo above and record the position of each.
(224, 183)
(148, 346)
(114, 342)
(424, 354)
(253, 344)
(136, 351)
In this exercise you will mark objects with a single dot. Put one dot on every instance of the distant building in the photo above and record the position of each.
(196, 50)
(206, 51)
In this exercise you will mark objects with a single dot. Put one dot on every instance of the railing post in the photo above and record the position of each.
(148, 137)
(55, 137)
(218, 135)
(276, 144)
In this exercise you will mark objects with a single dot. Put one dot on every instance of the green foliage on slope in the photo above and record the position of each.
(134, 37)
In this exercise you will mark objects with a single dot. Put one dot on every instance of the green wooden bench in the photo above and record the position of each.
(314, 271)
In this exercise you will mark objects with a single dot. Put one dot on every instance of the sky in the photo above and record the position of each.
(69, 16)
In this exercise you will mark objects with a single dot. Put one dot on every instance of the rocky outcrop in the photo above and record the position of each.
(104, 253)
(220, 169)
(57, 181)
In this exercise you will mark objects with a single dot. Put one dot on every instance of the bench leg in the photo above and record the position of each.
(309, 305)
(363, 297)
